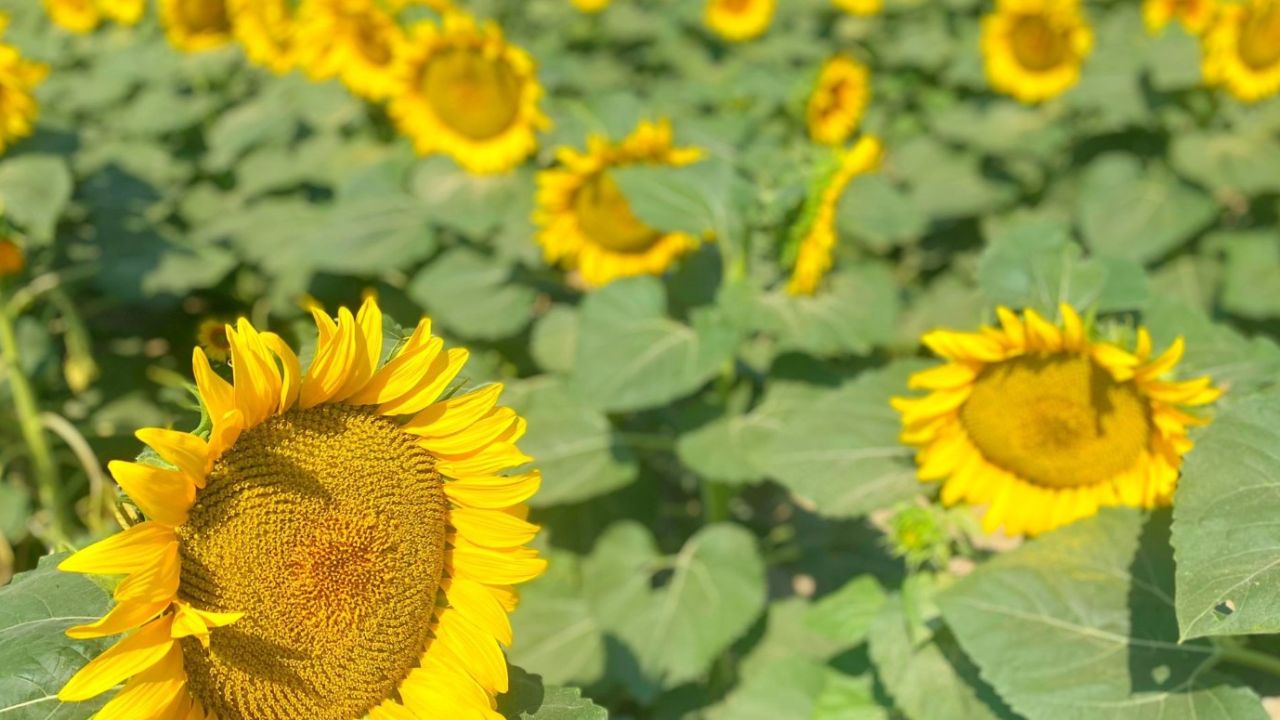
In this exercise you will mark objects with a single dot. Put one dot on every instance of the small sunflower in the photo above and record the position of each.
(738, 20)
(838, 100)
(12, 259)
(1045, 426)
(1033, 49)
(18, 79)
(341, 544)
(196, 25)
(1194, 15)
(265, 29)
(816, 231)
(355, 40)
(591, 6)
(584, 221)
(78, 16)
(211, 336)
(125, 12)
(864, 8)
(465, 91)
(1242, 49)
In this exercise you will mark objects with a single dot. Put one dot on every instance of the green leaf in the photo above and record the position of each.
(946, 183)
(1237, 162)
(855, 311)
(473, 205)
(879, 214)
(1223, 528)
(529, 699)
(841, 452)
(1138, 213)
(1080, 623)
(473, 296)
(554, 343)
(847, 697)
(34, 190)
(631, 356)
(847, 613)
(1251, 286)
(721, 449)
(36, 658)
(707, 596)
(572, 444)
(786, 689)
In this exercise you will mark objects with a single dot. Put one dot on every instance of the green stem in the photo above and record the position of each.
(716, 497)
(24, 404)
(1240, 655)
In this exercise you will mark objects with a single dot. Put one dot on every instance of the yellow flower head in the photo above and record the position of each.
(341, 544)
(18, 80)
(585, 222)
(78, 16)
(817, 227)
(466, 92)
(265, 28)
(1242, 49)
(591, 6)
(1044, 425)
(211, 336)
(196, 25)
(355, 40)
(12, 259)
(1033, 49)
(864, 8)
(1195, 15)
(125, 12)
(738, 20)
(838, 100)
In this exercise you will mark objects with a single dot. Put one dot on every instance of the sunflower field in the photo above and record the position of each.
(639, 359)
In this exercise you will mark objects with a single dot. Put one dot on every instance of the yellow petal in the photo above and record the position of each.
(482, 657)
(217, 394)
(1072, 327)
(442, 372)
(291, 370)
(495, 491)
(159, 693)
(123, 553)
(455, 414)
(1013, 327)
(126, 658)
(164, 495)
(495, 567)
(943, 377)
(402, 374)
(189, 453)
(963, 346)
(475, 437)
(257, 382)
(1041, 334)
(1167, 360)
(156, 583)
(123, 617)
(440, 689)
(189, 621)
(475, 602)
(332, 364)
(391, 710)
(492, 528)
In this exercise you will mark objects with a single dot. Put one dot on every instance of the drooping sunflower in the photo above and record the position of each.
(355, 40)
(739, 20)
(591, 6)
(196, 25)
(1242, 49)
(465, 91)
(341, 544)
(585, 222)
(864, 8)
(78, 16)
(18, 80)
(838, 100)
(1194, 15)
(1033, 49)
(265, 29)
(1044, 425)
(815, 233)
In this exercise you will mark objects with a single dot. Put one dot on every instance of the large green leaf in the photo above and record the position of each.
(1251, 287)
(529, 699)
(854, 311)
(473, 296)
(1080, 623)
(706, 596)
(36, 658)
(631, 356)
(1224, 530)
(34, 190)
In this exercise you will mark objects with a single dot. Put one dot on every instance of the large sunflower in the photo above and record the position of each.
(738, 20)
(265, 29)
(464, 91)
(196, 25)
(815, 233)
(18, 79)
(1044, 425)
(838, 100)
(341, 543)
(1033, 49)
(1242, 49)
(584, 220)
(355, 40)
(1194, 15)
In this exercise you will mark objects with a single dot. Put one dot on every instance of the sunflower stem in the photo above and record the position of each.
(1240, 655)
(33, 434)
(716, 497)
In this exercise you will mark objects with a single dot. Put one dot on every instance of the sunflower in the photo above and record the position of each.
(816, 231)
(1242, 49)
(838, 100)
(341, 543)
(265, 28)
(464, 91)
(211, 336)
(355, 40)
(1195, 15)
(1034, 48)
(12, 259)
(196, 25)
(584, 221)
(865, 8)
(18, 79)
(591, 6)
(1044, 425)
(78, 16)
(738, 20)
